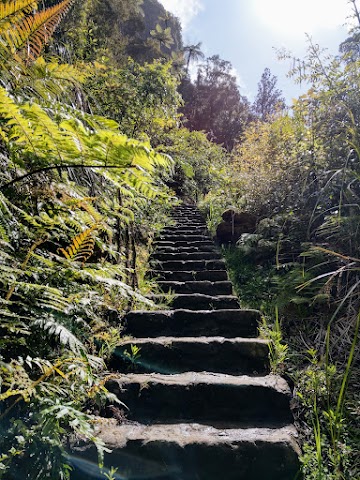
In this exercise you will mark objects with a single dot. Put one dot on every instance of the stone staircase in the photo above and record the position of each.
(202, 404)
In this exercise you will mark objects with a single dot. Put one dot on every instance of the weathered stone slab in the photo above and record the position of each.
(186, 256)
(182, 323)
(171, 355)
(210, 398)
(205, 287)
(191, 265)
(173, 248)
(189, 451)
(183, 276)
(199, 301)
(185, 229)
(183, 238)
(182, 243)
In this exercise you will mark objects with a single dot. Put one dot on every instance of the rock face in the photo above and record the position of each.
(234, 224)
(202, 404)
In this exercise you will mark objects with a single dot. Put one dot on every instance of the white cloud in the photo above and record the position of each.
(295, 18)
(240, 81)
(185, 10)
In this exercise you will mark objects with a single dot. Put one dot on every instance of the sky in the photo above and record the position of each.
(248, 33)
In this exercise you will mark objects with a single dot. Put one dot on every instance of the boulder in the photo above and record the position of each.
(234, 224)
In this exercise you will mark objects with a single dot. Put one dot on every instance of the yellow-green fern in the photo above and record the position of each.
(29, 32)
(81, 247)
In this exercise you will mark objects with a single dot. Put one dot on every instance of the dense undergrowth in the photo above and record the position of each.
(77, 197)
(324, 376)
(298, 172)
(94, 151)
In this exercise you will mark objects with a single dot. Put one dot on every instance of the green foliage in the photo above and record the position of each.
(117, 29)
(162, 35)
(199, 163)
(278, 350)
(77, 196)
(193, 53)
(142, 99)
(321, 393)
(252, 281)
(299, 173)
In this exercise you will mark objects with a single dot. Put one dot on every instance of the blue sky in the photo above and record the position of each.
(247, 32)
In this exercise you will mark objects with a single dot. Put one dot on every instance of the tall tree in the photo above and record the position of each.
(214, 104)
(269, 99)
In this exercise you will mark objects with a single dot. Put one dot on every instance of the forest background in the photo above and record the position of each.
(101, 131)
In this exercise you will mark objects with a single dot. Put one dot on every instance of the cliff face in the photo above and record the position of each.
(153, 10)
(121, 27)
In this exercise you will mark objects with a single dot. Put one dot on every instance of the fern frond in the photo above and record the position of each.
(92, 271)
(7, 222)
(41, 296)
(9, 273)
(33, 32)
(11, 12)
(19, 126)
(66, 338)
(81, 248)
(47, 136)
(13, 323)
(91, 210)
(53, 77)
(123, 289)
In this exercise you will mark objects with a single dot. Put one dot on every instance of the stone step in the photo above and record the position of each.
(171, 355)
(186, 211)
(184, 231)
(191, 223)
(185, 228)
(184, 323)
(187, 249)
(188, 218)
(210, 398)
(186, 206)
(164, 257)
(185, 276)
(190, 265)
(183, 238)
(187, 215)
(178, 244)
(204, 287)
(199, 301)
(189, 451)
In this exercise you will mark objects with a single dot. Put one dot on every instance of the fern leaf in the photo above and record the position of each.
(19, 126)
(13, 323)
(82, 247)
(66, 338)
(97, 217)
(11, 12)
(33, 32)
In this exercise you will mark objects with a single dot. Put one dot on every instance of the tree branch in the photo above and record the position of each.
(356, 11)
